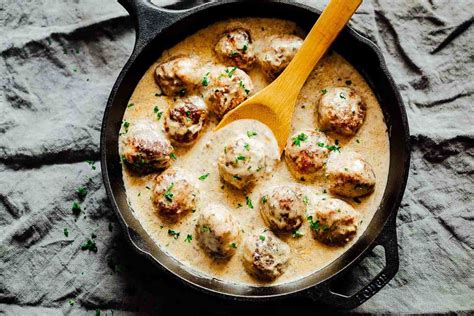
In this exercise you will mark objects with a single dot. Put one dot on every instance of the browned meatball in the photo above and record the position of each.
(178, 75)
(173, 195)
(306, 152)
(277, 53)
(264, 256)
(334, 222)
(235, 48)
(226, 88)
(144, 149)
(282, 207)
(217, 231)
(350, 175)
(185, 119)
(341, 110)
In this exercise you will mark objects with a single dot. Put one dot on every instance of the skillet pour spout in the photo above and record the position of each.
(158, 29)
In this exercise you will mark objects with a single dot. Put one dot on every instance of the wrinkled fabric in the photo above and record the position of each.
(59, 60)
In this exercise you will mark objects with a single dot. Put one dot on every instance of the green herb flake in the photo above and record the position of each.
(341, 95)
(97, 312)
(264, 199)
(357, 141)
(72, 302)
(234, 53)
(204, 176)
(125, 125)
(239, 205)
(173, 234)
(76, 208)
(261, 237)
(189, 238)
(168, 194)
(240, 157)
(249, 202)
(251, 134)
(66, 232)
(173, 156)
(91, 163)
(297, 234)
(89, 245)
(233, 245)
(300, 138)
(305, 200)
(205, 229)
(247, 147)
(324, 91)
(245, 48)
(314, 225)
(158, 112)
(230, 73)
(205, 80)
(81, 192)
(130, 105)
(236, 177)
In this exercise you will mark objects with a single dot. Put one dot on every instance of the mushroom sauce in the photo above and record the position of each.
(200, 160)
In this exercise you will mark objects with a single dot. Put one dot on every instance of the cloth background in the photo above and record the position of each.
(59, 60)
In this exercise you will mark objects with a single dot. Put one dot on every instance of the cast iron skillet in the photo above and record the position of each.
(157, 30)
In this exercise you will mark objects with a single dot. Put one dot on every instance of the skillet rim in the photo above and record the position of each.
(389, 219)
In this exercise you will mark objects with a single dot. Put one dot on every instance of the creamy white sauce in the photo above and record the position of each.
(307, 255)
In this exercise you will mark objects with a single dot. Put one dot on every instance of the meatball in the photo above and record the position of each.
(185, 119)
(226, 87)
(334, 222)
(178, 75)
(277, 53)
(283, 208)
(235, 48)
(144, 149)
(265, 256)
(217, 231)
(306, 152)
(244, 161)
(350, 175)
(341, 110)
(173, 195)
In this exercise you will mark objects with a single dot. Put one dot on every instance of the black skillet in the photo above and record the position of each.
(157, 30)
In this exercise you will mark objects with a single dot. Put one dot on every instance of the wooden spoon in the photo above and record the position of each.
(274, 105)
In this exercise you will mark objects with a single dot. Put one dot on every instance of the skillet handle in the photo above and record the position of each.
(148, 19)
(388, 240)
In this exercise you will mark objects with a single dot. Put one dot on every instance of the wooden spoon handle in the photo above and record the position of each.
(334, 17)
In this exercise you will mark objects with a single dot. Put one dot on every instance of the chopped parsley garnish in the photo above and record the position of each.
(236, 177)
(158, 94)
(82, 192)
(130, 105)
(348, 82)
(249, 202)
(205, 80)
(233, 245)
(242, 85)
(239, 205)
(66, 232)
(247, 147)
(297, 234)
(91, 163)
(324, 91)
(245, 48)
(305, 200)
(313, 225)
(189, 238)
(173, 233)
(158, 112)
(261, 237)
(330, 148)
(251, 134)
(204, 176)
(240, 157)
(76, 208)
(341, 95)
(125, 125)
(230, 73)
(173, 156)
(264, 199)
(72, 302)
(89, 245)
(168, 194)
(234, 53)
(357, 141)
(147, 187)
(300, 138)
(205, 229)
